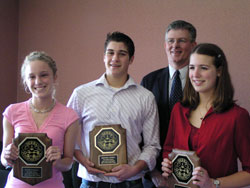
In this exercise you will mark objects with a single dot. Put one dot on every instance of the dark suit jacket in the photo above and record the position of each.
(158, 83)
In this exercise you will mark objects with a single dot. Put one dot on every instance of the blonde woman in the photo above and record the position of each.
(40, 114)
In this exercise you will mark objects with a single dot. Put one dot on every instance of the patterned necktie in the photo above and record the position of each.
(176, 90)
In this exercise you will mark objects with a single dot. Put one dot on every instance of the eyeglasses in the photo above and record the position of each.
(179, 41)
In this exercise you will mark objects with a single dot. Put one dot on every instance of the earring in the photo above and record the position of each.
(54, 90)
(26, 89)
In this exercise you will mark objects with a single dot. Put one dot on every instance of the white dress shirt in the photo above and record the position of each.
(132, 106)
(183, 74)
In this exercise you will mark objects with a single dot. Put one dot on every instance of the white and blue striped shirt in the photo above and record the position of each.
(132, 106)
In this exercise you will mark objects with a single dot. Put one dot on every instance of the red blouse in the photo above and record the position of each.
(221, 139)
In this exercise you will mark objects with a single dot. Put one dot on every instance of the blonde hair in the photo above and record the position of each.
(41, 56)
(36, 55)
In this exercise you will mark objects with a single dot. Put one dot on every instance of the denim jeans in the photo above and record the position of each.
(125, 184)
(148, 183)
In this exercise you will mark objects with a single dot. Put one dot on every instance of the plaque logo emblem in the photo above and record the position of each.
(182, 169)
(32, 151)
(107, 140)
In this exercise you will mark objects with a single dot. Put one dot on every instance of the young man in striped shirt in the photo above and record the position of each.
(116, 99)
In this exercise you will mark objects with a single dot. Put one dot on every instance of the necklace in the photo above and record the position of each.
(43, 111)
(201, 115)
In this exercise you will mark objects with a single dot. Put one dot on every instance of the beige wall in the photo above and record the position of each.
(73, 33)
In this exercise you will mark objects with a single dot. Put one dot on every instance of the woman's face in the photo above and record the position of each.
(202, 73)
(40, 79)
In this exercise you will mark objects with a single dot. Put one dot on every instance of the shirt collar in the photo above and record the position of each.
(103, 81)
(187, 112)
(183, 72)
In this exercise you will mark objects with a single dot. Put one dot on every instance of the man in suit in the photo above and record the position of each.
(180, 38)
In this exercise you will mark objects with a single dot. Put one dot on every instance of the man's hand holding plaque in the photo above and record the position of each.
(108, 147)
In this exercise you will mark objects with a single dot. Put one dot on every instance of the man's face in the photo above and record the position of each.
(178, 47)
(116, 59)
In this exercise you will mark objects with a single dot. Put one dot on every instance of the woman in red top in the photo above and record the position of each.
(209, 122)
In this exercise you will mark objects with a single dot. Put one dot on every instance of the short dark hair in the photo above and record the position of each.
(181, 24)
(224, 91)
(120, 37)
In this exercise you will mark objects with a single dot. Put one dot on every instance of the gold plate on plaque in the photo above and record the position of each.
(108, 146)
(183, 164)
(31, 166)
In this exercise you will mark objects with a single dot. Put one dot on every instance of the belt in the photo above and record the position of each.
(148, 176)
(124, 184)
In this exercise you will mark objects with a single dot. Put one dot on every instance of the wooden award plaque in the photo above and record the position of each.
(31, 166)
(108, 146)
(183, 164)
